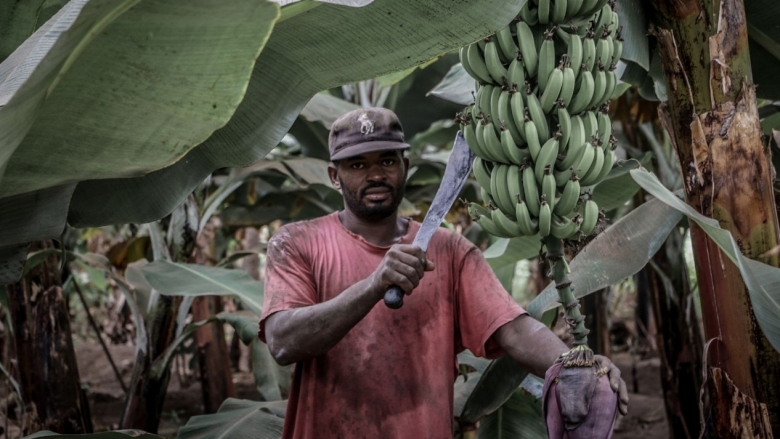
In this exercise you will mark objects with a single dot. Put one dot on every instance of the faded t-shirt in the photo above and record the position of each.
(392, 375)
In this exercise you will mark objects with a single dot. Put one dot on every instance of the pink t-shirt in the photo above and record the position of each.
(392, 375)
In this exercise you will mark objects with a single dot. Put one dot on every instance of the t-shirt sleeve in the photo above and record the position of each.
(483, 305)
(288, 278)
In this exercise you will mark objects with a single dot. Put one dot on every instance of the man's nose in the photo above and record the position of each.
(376, 173)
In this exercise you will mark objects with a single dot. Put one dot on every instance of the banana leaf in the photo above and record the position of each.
(621, 250)
(236, 419)
(762, 280)
(340, 45)
(519, 417)
(175, 279)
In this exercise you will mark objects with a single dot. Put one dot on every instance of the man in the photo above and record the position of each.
(364, 370)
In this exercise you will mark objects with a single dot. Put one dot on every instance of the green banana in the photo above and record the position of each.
(573, 156)
(611, 85)
(575, 51)
(577, 136)
(486, 197)
(603, 51)
(528, 225)
(546, 61)
(495, 68)
(590, 217)
(490, 227)
(588, 8)
(545, 219)
(599, 87)
(538, 117)
(589, 51)
(605, 128)
(544, 11)
(506, 42)
(515, 74)
(504, 199)
(515, 154)
(469, 133)
(493, 145)
(553, 90)
(547, 156)
(613, 26)
(531, 136)
(481, 172)
(531, 191)
(484, 99)
(569, 196)
(583, 165)
(518, 113)
(464, 61)
(559, 11)
(505, 223)
(589, 178)
(525, 41)
(617, 50)
(506, 118)
(486, 149)
(495, 95)
(609, 161)
(583, 96)
(562, 227)
(561, 177)
(564, 126)
(475, 210)
(477, 64)
(548, 187)
(591, 124)
(514, 183)
(597, 6)
(605, 18)
(529, 15)
(567, 88)
(573, 8)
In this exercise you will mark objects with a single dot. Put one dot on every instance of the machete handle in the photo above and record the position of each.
(394, 297)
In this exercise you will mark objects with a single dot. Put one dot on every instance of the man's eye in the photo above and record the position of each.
(388, 162)
(357, 166)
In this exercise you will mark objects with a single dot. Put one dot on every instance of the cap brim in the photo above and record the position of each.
(362, 148)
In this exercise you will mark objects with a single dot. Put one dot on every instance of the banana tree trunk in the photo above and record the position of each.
(712, 118)
(594, 308)
(46, 362)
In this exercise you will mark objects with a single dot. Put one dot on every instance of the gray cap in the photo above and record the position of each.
(365, 130)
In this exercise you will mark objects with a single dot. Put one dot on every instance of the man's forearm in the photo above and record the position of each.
(529, 342)
(302, 333)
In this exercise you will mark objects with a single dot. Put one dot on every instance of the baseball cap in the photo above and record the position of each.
(365, 130)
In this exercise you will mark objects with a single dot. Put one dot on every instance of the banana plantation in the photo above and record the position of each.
(621, 186)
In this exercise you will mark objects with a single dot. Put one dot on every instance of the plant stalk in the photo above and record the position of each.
(573, 318)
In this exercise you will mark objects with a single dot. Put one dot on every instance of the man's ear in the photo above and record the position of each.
(406, 167)
(333, 173)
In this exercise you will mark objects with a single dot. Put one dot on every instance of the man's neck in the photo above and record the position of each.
(382, 233)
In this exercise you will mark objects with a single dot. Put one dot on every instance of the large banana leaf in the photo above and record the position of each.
(19, 19)
(618, 252)
(174, 279)
(762, 280)
(236, 419)
(121, 88)
(519, 417)
(457, 86)
(325, 47)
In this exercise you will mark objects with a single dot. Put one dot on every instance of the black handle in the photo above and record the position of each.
(394, 297)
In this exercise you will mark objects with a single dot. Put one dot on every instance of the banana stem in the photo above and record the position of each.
(574, 320)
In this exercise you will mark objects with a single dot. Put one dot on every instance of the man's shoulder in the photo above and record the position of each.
(297, 235)
(451, 241)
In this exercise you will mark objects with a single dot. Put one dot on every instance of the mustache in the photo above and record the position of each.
(375, 185)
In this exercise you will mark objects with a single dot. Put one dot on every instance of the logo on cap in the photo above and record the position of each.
(366, 126)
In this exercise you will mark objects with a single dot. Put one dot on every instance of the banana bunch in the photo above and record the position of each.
(539, 124)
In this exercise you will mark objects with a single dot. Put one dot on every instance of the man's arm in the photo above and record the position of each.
(535, 347)
(299, 334)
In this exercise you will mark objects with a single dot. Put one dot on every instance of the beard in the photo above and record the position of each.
(370, 211)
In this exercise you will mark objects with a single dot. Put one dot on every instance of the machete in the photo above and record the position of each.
(455, 175)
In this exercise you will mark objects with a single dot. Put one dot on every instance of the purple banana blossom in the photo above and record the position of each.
(578, 403)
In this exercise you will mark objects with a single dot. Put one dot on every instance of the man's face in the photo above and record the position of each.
(372, 184)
